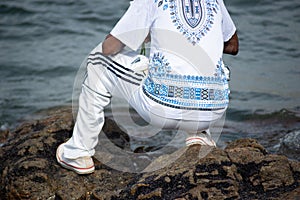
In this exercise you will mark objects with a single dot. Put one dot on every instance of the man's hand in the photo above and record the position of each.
(232, 45)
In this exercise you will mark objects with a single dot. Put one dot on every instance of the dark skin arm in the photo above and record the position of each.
(111, 45)
(232, 45)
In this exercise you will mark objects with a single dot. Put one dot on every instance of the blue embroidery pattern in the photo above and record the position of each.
(192, 12)
(219, 70)
(159, 66)
(185, 91)
(196, 13)
(162, 2)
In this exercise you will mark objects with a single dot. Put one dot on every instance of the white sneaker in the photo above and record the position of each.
(81, 165)
(203, 139)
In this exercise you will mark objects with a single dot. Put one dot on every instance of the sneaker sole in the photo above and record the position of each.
(198, 140)
(78, 170)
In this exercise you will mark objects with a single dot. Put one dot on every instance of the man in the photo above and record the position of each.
(185, 87)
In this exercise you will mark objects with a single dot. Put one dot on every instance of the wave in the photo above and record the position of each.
(16, 72)
(246, 96)
(13, 10)
(282, 115)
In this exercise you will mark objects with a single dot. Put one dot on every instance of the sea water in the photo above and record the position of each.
(43, 43)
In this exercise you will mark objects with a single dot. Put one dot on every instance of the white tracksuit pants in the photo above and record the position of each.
(106, 78)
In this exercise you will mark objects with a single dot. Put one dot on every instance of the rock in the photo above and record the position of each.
(4, 133)
(244, 170)
(290, 145)
(217, 176)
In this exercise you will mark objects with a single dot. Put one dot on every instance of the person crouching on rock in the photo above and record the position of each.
(182, 84)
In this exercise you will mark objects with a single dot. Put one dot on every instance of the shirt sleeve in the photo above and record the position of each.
(134, 26)
(228, 26)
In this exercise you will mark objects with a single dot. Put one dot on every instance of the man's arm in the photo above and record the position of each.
(111, 45)
(232, 45)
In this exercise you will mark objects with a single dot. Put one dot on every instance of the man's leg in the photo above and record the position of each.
(104, 77)
(76, 153)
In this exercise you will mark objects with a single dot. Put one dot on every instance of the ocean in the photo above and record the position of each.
(44, 42)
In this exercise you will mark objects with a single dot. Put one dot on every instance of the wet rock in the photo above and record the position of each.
(290, 145)
(244, 170)
(218, 176)
(4, 133)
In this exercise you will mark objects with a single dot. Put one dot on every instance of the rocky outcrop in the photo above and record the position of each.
(244, 170)
(290, 145)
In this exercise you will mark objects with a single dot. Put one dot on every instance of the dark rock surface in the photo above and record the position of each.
(244, 170)
(290, 145)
